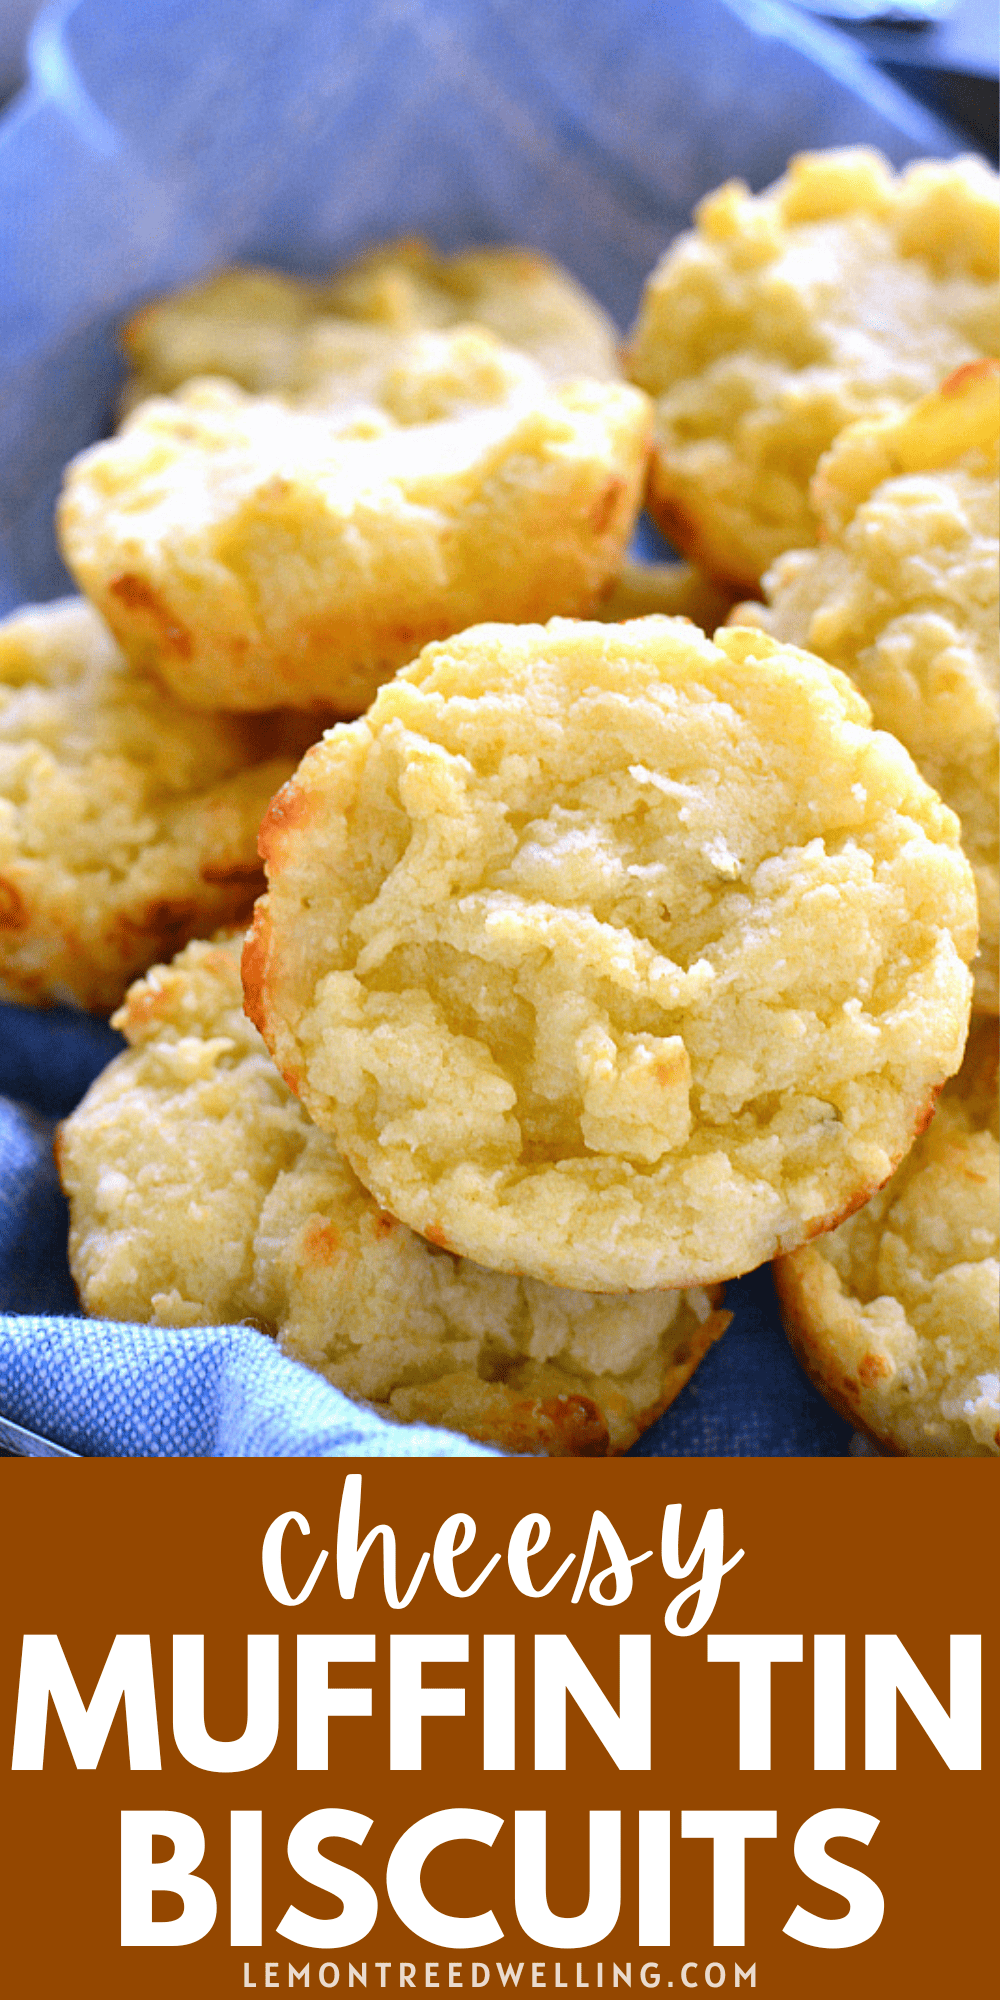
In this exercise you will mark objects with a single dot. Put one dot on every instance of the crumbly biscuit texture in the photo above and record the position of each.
(666, 590)
(260, 552)
(126, 822)
(611, 955)
(895, 1314)
(904, 593)
(267, 330)
(200, 1192)
(842, 291)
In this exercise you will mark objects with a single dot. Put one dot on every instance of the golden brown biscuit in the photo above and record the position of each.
(904, 594)
(257, 553)
(844, 290)
(126, 822)
(611, 955)
(200, 1192)
(267, 330)
(895, 1314)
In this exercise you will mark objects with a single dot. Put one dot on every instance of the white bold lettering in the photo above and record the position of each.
(709, 1549)
(410, 1700)
(957, 1737)
(829, 1701)
(620, 1568)
(499, 1684)
(317, 1700)
(654, 1878)
(755, 1653)
(241, 1753)
(530, 1875)
(271, 1560)
(358, 1897)
(402, 1878)
(245, 1878)
(529, 1538)
(624, 1732)
(127, 1675)
(350, 1555)
(454, 1538)
(729, 1833)
(141, 1876)
(865, 1903)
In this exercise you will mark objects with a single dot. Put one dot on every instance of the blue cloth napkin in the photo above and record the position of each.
(129, 1391)
(159, 138)
(205, 1392)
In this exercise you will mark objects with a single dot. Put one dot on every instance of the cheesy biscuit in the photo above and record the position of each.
(126, 822)
(842, 291)
(267, 330)
(257, 552)
(904, 595)
(611, 955)
(200, 1192)
(895, 1314)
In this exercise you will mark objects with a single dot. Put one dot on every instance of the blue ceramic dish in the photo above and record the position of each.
(160, 138)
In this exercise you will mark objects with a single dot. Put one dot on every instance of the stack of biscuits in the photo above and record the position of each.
(601, 960)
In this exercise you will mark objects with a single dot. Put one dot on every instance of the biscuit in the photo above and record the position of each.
(668, 590)
(895, 1314)
(266, 330)
(261, 554)
(904, 593)
(842, 291)
(200, 1192)
(611, 955)
(126, 823)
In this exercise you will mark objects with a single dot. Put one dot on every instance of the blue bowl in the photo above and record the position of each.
(158, 139)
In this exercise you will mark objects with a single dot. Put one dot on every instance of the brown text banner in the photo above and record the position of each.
(611, 1726)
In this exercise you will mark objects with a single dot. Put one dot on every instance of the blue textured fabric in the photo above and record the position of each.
(749, 1398)
(226, 1391)
(205, 1392)
(157, 140)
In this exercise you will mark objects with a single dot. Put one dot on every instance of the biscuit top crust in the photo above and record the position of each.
(125, 820)
(293, 549)
(945, 1229)
(903, 594)
(65, 687)
(201, 1193)
(843, 290)
(611, 954)
(897, 1310)
(939, 430)
(267, 330)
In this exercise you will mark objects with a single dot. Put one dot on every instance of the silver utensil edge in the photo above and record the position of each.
(17, 1442)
